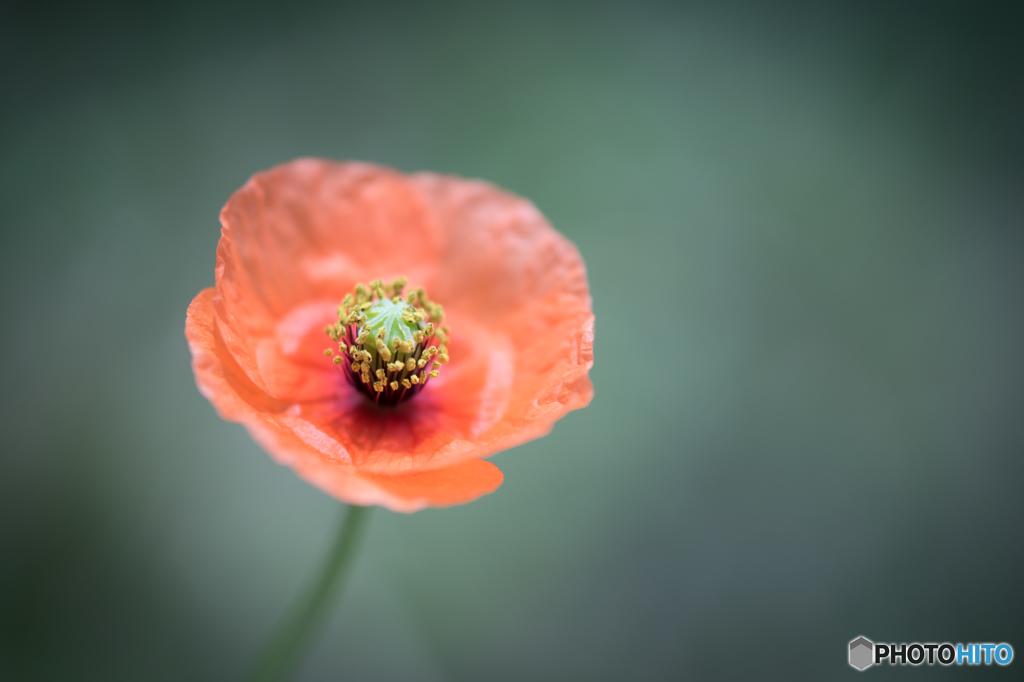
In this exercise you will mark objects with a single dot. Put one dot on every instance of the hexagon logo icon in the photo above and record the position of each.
(861, 653)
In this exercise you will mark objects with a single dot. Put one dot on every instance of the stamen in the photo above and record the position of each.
(395, 343)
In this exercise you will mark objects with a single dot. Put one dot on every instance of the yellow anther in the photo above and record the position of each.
(445, 329)
(399, 325)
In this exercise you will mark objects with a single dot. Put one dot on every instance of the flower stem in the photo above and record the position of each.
(280, 657)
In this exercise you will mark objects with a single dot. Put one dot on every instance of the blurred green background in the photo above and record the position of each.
(817, 211)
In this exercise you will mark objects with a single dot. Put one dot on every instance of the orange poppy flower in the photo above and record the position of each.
(328, 389)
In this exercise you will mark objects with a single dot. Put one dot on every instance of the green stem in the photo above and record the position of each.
(283, 653)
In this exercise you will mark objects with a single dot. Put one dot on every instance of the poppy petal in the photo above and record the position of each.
(455, 484)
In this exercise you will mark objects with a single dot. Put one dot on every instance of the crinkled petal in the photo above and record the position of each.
(505, 267)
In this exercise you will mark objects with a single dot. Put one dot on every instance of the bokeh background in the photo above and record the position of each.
(815, 214)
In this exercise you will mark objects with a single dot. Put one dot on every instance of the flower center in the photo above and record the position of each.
(389, 347)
